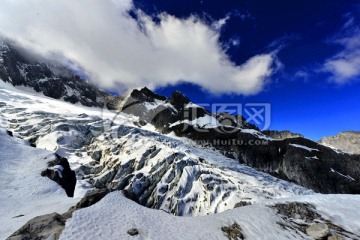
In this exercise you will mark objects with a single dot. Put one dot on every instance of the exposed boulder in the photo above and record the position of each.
(96, 155)
(59, 171)
(318, 230)
(133, 232)
(42, 227)
(242, 204)
(233, 232)
(9, 133)
(91, 198)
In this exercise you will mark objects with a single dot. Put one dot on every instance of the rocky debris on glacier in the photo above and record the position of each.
(303, 217)
(233, 232)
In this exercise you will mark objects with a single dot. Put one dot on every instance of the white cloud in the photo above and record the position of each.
(108, 44)
(217, 25)
(344, 66)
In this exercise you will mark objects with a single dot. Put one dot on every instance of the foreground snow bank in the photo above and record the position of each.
(24, 193)
(115, 215)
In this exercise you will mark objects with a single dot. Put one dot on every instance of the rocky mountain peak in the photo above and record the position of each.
(348, 141)
(146, 94)
(178, 100)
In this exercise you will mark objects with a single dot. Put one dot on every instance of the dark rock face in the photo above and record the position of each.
(281, 135)
(162, 112)
(42, 227)
(59, 171)
(146, 95)
(322, 169)
(178, 100)
(9, 133)
(90, 199)
(143, 103)
(52, 80)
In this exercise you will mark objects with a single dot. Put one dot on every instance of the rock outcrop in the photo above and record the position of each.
(47, 226)
(59, 171)
(281, 135)
(348, 142)
(305, 218)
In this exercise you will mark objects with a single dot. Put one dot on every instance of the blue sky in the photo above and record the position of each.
(304, 97)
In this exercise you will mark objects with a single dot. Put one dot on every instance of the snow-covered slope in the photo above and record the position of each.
(112, 217)
(24, 193)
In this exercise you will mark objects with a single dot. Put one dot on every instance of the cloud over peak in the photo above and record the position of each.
(115, 49)
(344, 66)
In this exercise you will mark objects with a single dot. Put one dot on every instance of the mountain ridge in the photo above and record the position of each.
(52, 80)
(347, 141)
